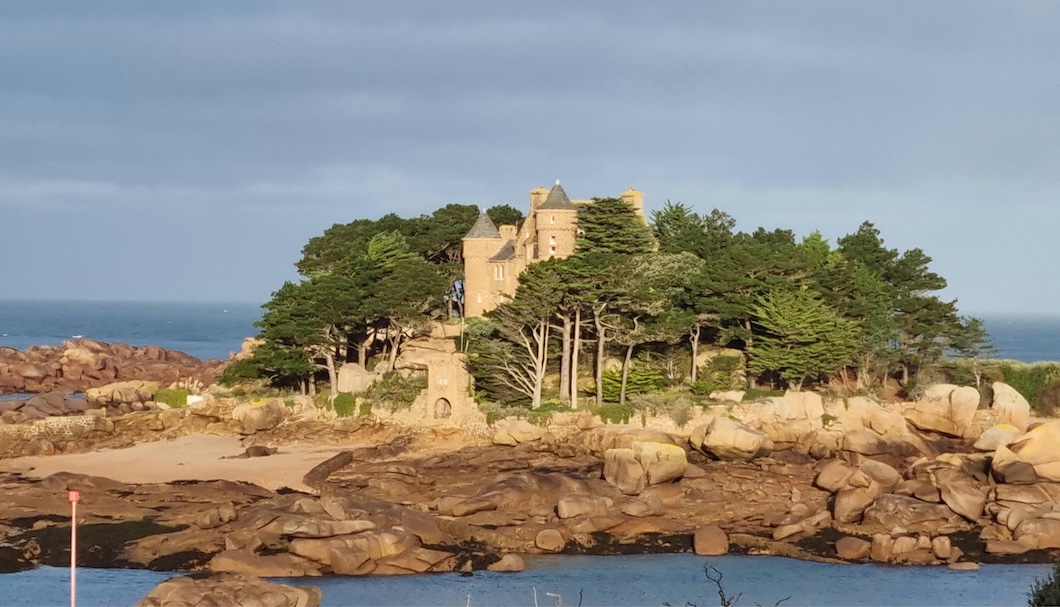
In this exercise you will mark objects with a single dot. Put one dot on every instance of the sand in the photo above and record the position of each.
(195, 457)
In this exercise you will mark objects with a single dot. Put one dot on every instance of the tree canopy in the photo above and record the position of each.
(797, 311)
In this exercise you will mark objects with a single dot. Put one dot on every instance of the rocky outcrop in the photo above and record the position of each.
(259, 417)
(647, 463)
(1001, 435)
(729, 440)
(41, 406)
(945, 409)
(1040, 448)
(82, 364)
(1010, 406)
(120, 393)
(517, 431)
(392, 508)
(355, 379)
(229, 590)
(710, 540)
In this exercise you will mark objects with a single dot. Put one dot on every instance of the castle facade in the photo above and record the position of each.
(495, 257)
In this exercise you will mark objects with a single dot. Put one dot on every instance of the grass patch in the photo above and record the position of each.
(757, 394)
(344, 404)
(175, 398)
(615, 414)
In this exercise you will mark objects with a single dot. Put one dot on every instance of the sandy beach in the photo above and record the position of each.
(196, 457)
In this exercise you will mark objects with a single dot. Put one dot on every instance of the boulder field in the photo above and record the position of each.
(80, 364)
(843, 481)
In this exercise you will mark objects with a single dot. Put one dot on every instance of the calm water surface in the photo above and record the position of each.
(204, 330)
(602, 580)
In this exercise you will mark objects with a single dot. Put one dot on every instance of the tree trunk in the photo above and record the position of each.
(752, 381)
(694, 338)
(601, 348)
(362, 353)
(333, 376)
(312, 385)
(541, 364)
(564, 361)
(392, 363)
(625, 374)
(575, 349)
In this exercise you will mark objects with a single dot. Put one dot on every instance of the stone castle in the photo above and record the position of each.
(495, 257)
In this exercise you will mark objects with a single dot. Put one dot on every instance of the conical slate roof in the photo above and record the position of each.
(483, 228)
(557, 200)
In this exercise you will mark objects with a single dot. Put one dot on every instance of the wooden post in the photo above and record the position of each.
(74, 497)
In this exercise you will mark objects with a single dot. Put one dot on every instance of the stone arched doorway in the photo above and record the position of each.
(442, 408)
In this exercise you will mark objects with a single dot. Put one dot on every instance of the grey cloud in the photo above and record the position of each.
(251, 123)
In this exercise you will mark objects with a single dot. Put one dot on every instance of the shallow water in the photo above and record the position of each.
(601, 580)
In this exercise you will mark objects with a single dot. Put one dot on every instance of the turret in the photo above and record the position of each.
(480, 243)
(635, 199)
(537, 196)
(557, 225)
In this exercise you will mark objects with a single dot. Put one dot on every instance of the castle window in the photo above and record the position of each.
(551, 246)
(498, 272)
(552, 219)
(479, 298)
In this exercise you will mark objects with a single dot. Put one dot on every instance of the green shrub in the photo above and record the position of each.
(615, 414)
(758, 394)
(1029, 380)
(1046, 591)
(238, 372)
(725, 364)
(177, 399)
(365, 409)
(344, 404)
(640, 380)
(705, 387)
(1049, 399)
(495, 412)
(721, 374)
(681, 412)
(543, 414)
(396, 390)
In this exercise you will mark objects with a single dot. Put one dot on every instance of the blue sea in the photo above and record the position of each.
(215, 330)
(677, 579)
(204, 330)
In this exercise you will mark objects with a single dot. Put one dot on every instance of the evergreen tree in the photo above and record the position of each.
(801, 337)
(611, 226)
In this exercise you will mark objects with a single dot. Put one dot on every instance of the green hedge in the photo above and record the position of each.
(177, 399)
(639, 381)
(344, 404)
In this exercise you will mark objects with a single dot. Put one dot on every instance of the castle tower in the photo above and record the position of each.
(557, 225)
(635, 199)
(481, 242)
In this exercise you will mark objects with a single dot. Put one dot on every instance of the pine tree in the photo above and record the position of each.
(799, 337)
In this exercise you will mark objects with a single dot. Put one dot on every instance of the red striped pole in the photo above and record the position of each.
(74, 497)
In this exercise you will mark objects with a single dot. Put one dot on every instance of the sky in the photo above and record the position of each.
(186, 151)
